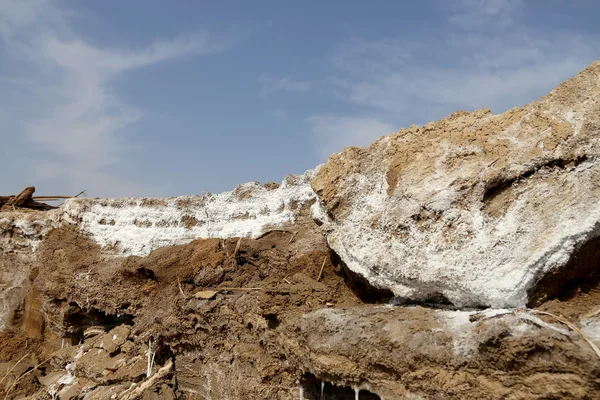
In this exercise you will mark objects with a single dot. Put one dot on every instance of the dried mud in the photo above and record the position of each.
(272, 329)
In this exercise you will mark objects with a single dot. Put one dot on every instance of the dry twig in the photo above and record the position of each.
(262, 235)
(180, 289)
(25, 374)
(322, 266)
(293, 236)
(13, 367)
(570, 325)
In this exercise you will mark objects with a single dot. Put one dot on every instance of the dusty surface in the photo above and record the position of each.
(476, 207)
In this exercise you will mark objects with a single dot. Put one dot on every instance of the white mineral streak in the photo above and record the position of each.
(498, 265)
(435, 233)
(591, 328)
(137, 226)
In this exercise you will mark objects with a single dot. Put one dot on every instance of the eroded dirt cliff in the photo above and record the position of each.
(250, 318)
(372, 286)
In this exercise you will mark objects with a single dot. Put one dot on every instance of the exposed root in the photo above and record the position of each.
(135, 392)
(570, 325)
(553, 316)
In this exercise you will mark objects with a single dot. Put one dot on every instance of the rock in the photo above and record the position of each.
(128, 347)
(51, 378)
(76, 389)
(165, 393)
(134, 370)
(70, 392)
(478, 209)
(107, 392)
(98, 365)
(420, 353)
(113, 340)
(205, 294)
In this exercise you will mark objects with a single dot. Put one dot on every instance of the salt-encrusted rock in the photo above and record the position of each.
(481, 209)
(137, 226)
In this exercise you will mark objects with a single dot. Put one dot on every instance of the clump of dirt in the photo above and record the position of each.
(577, 300)
(15, 345)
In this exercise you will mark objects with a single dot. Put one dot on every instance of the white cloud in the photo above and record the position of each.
(70, 114)
(495, 65)
(272, 84)
(332, 133)
(495, 75)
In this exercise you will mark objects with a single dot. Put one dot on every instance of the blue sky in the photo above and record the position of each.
(157, 98)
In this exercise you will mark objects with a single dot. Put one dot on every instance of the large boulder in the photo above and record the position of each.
(477, 208)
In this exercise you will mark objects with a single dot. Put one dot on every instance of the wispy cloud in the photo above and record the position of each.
(483, 13)
(484, 58)
(273, 84)
(331, 133)
(76, 122)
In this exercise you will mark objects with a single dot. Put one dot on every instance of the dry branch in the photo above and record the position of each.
(293, 236)
(52, 197)
(25, 199)
(22, 197)
(570, 325)
(180, 289)
(262, 235)
(13, 367)
(322, 266)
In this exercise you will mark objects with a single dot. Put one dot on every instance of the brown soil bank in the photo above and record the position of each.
(250, 319)
(115, 299)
